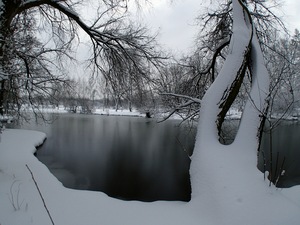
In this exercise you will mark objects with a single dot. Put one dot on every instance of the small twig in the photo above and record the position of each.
(37, 187)
(265, 164)
(12, 196)
(275, 176)
(183, 148)
(281, 171)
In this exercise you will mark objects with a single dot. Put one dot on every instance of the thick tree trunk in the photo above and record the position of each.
(210, 160)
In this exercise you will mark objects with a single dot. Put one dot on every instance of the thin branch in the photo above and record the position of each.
(37, 187)
(195, 100)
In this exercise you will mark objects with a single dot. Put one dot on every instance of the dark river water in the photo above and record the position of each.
(139, 159)
(126, 157)
(285, 148)
(281, 146)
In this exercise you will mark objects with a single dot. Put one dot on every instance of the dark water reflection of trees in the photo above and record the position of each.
(285, 148)
(139, 159)
(125, 157)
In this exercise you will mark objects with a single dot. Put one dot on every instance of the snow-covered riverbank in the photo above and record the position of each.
(21, 204)
(233, 114)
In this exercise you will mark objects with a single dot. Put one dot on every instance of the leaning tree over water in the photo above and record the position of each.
(114, 43)
(243, 55)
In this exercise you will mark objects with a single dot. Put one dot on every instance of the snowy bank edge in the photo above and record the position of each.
(77, 205)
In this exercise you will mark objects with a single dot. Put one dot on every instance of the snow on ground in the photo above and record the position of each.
(66, 206)
(233, 113)
(20, 203)
(47, 109)
(120, 112)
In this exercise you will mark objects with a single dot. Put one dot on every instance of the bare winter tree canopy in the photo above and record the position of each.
(29, 68)
(244, 53)
(226, 186)
(213, 46)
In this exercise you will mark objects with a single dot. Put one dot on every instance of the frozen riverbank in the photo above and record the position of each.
(20, 203)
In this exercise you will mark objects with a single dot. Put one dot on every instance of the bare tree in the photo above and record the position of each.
(214, 47)
(181, 88)
(282, 60)
(243, 53)
(283, 64)
(115, 42)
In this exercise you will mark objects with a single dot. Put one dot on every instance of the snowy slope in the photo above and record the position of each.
(240, 202)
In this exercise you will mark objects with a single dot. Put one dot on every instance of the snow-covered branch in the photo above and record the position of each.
(195, 100)
(216, 53)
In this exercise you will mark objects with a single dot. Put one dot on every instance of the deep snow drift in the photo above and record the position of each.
(243, 203)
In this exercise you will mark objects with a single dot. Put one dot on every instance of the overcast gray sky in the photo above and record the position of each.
(175, 20)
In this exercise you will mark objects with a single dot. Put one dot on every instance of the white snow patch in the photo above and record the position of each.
(239, 196)
(120, 112)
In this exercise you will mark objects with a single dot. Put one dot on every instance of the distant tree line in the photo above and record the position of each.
(38, 38)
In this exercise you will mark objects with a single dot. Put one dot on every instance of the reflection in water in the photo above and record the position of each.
(125, 157)
(138, 159)
(285, 149)
(285, 153)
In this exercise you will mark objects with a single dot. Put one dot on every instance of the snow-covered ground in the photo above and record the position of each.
(98, 111)
(21, 204)
(120, 112)
(227, 188)
(233, 113)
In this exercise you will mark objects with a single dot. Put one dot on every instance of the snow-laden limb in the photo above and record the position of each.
(227, 188)
(191, 101)
(195, 100)
(207, 133)
(225, 181)
(255, 109)
(231, 72)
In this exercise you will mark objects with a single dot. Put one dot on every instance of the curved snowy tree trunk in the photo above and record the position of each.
(216, 167)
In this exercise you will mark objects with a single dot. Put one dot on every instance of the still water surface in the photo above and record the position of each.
(281, 145)
(285, 152)
(138, 159)
(126, 157)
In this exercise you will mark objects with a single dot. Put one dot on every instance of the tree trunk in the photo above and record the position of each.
(212, 162)
(7, 13)
(2, 85)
